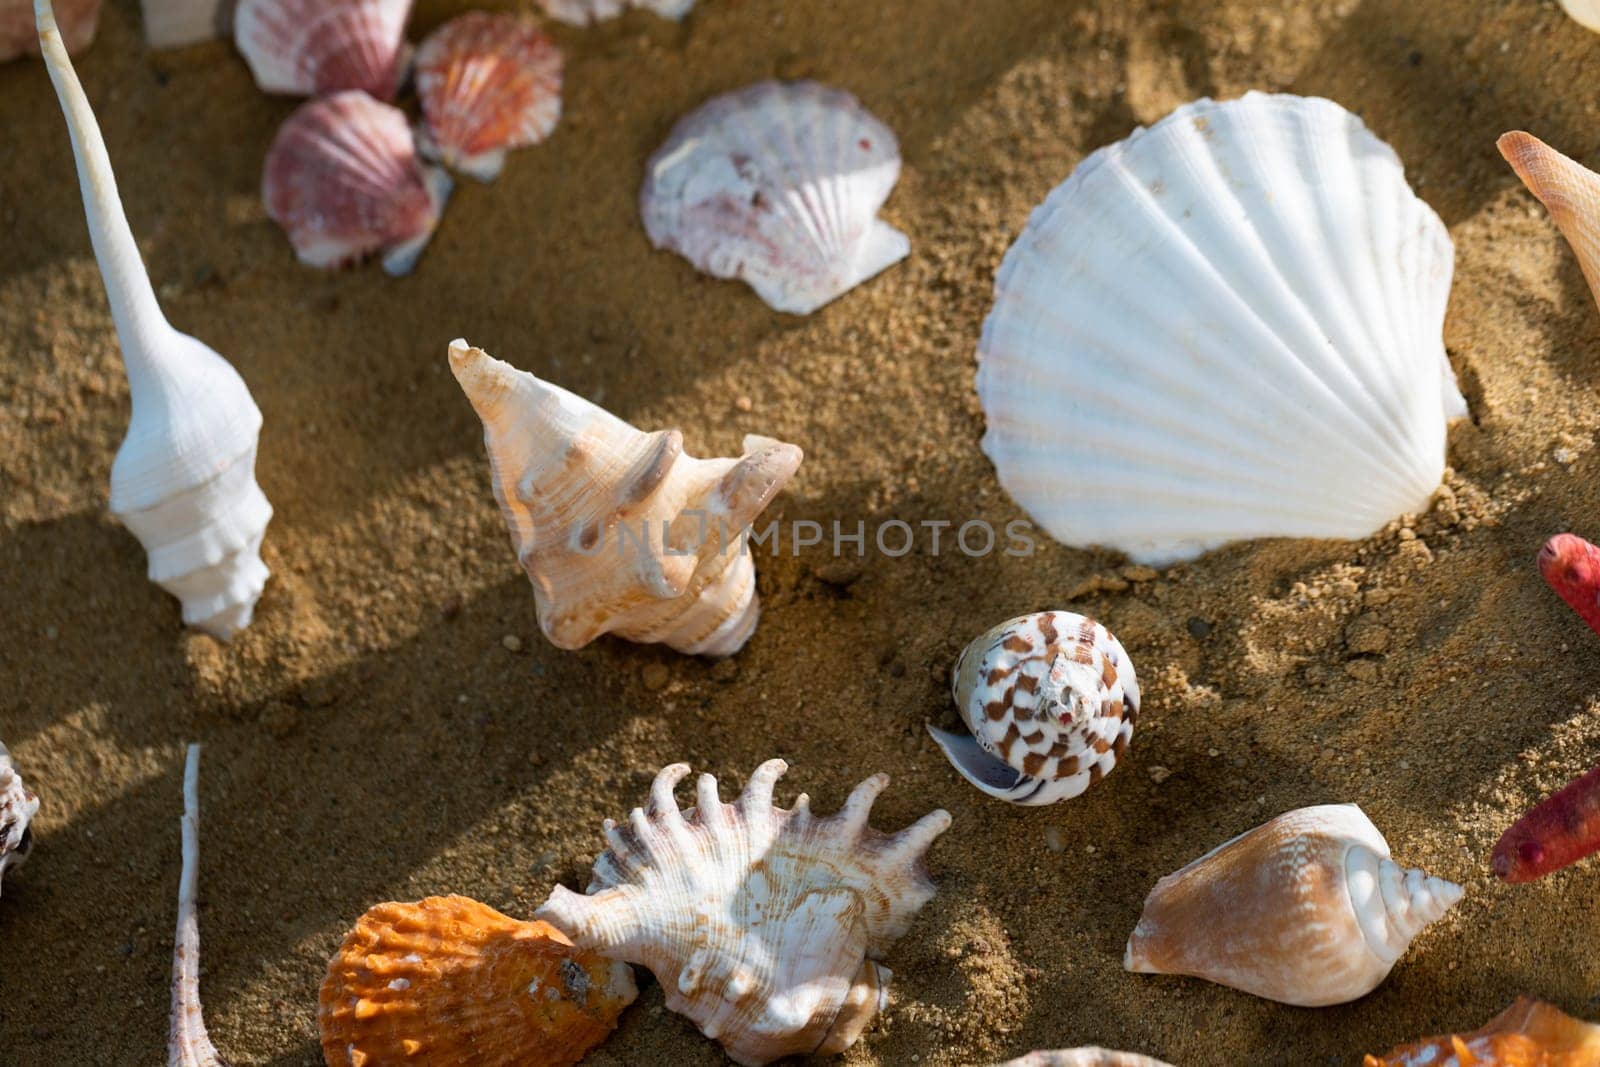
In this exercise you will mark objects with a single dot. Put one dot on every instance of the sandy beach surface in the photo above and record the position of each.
(371, 736)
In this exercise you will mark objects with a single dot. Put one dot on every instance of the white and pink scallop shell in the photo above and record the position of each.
(778, 185)
(488, 83)
(314, 47)
(77, 20)
(343, 180)
(18, 805)
(588, 12)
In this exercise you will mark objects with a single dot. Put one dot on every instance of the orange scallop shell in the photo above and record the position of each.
(449, 981)
(1527, 1034)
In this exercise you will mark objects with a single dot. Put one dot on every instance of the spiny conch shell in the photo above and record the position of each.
(1527, 1034)
(764, 926)
(343, 180)
(18, 805)
(487, 83)
(1585, 12)
(778, 185)
(184, 480)
(77, 20)
(188, 1044)
(1051, 700)
(449, 981)
(1568, 190)
(314, 47)
(619, 530)
(1307, 909)
(175, 23)
(587, 12)
(1277, 370)
(1083, 1057)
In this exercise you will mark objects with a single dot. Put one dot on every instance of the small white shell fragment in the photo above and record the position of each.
(1050, 699)
(778, 185)
(18, 805)
(175, 23)
(1306, 909)
(1226, 326)
(764, 926)
(588, 12)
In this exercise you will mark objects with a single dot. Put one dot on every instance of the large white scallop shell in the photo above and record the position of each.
(1050, 699)
(184, 480)
(313, 47)
(619, 530)
(1307, 909)
(764, 926)
(18, 805)
(779, 185)
(587, 12)
(1226, 326)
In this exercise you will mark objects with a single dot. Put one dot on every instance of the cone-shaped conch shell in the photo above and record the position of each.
(764, 926)
(188, 1044)
(1050, 700)
(1568, 190)
(184, 480)
(1585, 12)
(1527, 1034)
(1307, 909)
(77, 20)
(18, 806)
(620, 531)
(1083, 1057)
(449, 981)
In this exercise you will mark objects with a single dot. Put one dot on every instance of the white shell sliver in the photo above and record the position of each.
(778, 185)
(188, 1043)
(587, 12)
(1225, 327)
(764, 926)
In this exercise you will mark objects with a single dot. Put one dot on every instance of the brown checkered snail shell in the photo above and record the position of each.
(1050, 700)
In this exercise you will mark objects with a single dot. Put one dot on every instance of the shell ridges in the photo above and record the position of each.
(315, 47)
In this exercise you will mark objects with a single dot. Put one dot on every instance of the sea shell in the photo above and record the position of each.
(1051, 700)
(1307, 909)
(587, 12)
(18, 805)
(1226, 326)
(449, 981)
(619, 530)
(1083, 1057)
(19, 35)
(778, 185)
(188, 1044)
(1585, 12)
(175, 23)
(184, 479)
(1527, 1034)
(343, 180)
(314, 47)
(487, 83)
(1568, 190)
(764, 926)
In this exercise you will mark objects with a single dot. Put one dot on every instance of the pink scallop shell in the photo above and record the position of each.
(343, 180)
(313, 47)
(77, 20)
(487, 83)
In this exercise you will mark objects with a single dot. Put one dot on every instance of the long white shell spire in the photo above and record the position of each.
(184, 479)
(188, 1044)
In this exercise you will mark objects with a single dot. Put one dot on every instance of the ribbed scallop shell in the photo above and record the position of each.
(1050, 699)
(1527, 1034)
(1585, 12)
(1226, 326)
(19, 36)
(1567, 189)
(449, 981)
(764, 926)
(587, 12)
(619, 530)
(1307, 909)
(487, 83)
(343, 180)
(18, 805)
(1083, 1057)
(778, 185)
(315, 47)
